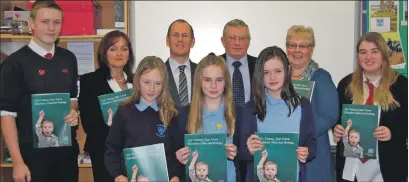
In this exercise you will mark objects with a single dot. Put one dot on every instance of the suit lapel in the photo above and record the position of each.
(172, 85)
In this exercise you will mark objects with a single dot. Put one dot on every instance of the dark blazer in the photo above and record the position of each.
(177, 129)
(393, 158)
(251, 62)
(93, 85)
(307, 137)
(172, 85)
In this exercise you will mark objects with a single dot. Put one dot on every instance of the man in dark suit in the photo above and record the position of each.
(180, 39)
(236, 41)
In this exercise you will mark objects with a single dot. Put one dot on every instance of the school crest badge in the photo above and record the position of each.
(161, 130)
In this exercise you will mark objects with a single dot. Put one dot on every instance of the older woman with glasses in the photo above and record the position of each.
(300, 47)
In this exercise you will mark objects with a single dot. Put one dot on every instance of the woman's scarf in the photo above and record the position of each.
(309, 71)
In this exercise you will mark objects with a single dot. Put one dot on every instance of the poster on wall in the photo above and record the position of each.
(388, 18)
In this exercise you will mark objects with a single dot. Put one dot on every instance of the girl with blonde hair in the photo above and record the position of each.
(212, 111)
(374, 82)
(143, 119)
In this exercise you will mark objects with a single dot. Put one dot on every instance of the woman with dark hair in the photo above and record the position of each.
(276, 108)
(374, 82)
(116, 60)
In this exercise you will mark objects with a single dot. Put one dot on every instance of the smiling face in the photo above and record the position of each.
(47, 128)
(201, 171)
(299, 50)
(274, 76)
(354, 138)
(236, 41)
(118, 54)
(369, 57)
(213, 82)
(151, 83)
(180, 40)
(270, 171)
(46, 26)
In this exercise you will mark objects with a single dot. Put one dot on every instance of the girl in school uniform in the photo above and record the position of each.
(374, 82)
(143, 119)
(276, 108)
(212, 111)
(116, 60)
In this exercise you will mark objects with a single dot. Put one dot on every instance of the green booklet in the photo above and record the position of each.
(146, 163)
(207, 160)
(109, 103)
(360, 121)
(49, 127)
(278, 159)
(304, 88)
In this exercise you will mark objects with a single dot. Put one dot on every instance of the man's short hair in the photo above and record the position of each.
(181, 21)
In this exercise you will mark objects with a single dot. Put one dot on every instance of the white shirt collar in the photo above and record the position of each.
(115, 86)
(230, 60)
(375, 82)
(174, 65)
(39, 50)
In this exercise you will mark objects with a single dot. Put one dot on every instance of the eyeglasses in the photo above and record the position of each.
(232, 38)
(299, 46)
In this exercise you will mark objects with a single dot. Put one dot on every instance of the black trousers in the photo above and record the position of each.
(99, 170)
(52, 164)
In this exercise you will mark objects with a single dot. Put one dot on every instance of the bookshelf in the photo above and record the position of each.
(107, 19)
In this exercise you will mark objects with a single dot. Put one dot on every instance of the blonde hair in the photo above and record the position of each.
(270, 163)
(43, 4)
(165, 103)
(354, 131)
(382, 95)
(201, 163)
(195, 120)
(236, 23)
(295, 29)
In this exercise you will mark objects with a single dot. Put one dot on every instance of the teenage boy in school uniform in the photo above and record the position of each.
(37, 68)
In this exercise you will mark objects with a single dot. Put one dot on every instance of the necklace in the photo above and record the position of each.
(121, 80)
(297, 75)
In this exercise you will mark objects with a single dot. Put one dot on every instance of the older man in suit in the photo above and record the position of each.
(236, 41)
(180, 39)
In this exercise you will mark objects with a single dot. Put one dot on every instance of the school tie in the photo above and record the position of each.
(238, 86)
(48, 56)
(369, 101)
(183, 93)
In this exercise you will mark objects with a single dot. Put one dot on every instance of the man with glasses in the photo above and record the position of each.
(180, 39)
(236, 41)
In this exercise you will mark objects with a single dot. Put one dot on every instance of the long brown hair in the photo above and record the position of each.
(382, 94)
(165, 103)
(195, 120)
(288, 93)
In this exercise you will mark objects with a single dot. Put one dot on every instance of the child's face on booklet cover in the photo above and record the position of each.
(48, 128)
(354, 138)
(201, 171)
(151, 85)
(213, 82)
(270, 171)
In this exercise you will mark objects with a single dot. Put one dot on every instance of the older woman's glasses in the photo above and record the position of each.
(232, 38)
(299, 46)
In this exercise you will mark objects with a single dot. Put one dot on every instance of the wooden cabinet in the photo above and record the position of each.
(11, 43)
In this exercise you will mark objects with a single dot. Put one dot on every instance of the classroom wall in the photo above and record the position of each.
(336, 27)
